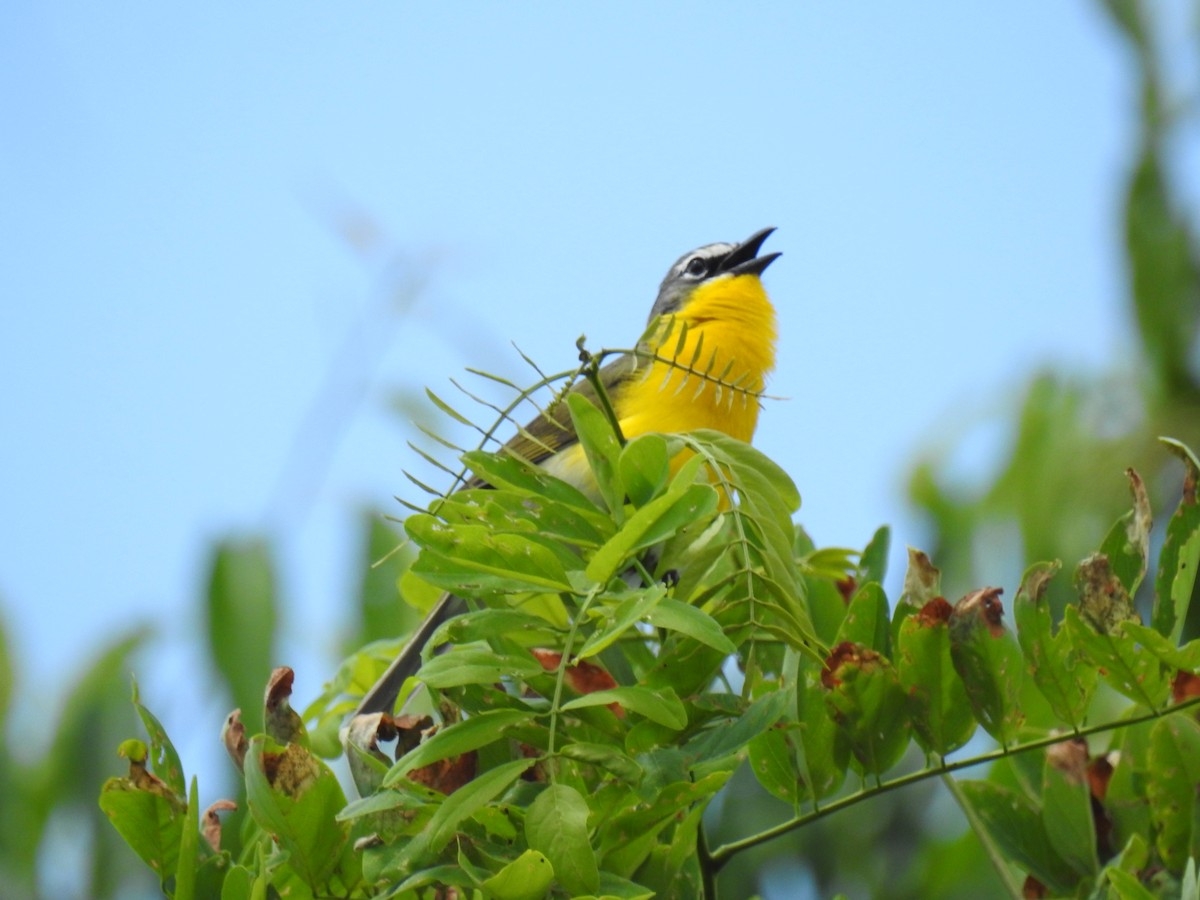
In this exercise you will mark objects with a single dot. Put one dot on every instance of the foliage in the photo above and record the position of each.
(43, 785)
(576, 724)
(1090, 788)
(1050, 487)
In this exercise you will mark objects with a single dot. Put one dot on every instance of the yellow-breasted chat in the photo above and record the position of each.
(712, 323)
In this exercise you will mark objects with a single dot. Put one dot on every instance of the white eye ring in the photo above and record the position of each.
(696, 267)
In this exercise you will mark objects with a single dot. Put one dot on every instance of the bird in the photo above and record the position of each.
(712, 323)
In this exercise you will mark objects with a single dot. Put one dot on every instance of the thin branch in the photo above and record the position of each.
(726, 852)
(708, 871)
(591, 371)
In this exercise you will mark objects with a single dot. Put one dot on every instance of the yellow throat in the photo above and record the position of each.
(705, 363)
(730, 334)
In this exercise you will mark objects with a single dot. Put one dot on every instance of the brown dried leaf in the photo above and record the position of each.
(845, 653)
(986, 603)
(233, 736)
(583, 677)
(447, 775)
(936, 612)
(281, 722)
(290, 771)
(1184, 686)
(1033, 889)
(1071, 758)
(210, 823)
(847, 587)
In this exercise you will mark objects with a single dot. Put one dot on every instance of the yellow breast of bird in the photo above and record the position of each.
(712, 378)
(731, 323)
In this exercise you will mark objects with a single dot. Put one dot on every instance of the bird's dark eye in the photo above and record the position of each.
(696, 267)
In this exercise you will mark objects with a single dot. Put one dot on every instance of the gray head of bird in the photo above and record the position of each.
(707, 263)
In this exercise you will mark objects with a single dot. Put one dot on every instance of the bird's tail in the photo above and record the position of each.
(382, 695)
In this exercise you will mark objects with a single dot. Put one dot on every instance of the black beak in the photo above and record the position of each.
(744, 259)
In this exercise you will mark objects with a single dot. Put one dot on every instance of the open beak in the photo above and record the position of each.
(744, 259)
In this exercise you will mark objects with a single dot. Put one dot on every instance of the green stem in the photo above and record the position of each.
(591, 371)
(985, 837)
(724, 853)
(708, 871)
(561, 674)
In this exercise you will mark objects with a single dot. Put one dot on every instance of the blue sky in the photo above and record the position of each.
(186, 331)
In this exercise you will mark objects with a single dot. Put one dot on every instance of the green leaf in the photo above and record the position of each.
(684, 665)
(768, 585)
(1014, 823)
(697, 504)
(241, 613)
(1180, 555)
(645, 467)
(623, 617)
(403, 796)
(1174, 772)
(189, 847)
(661, 706)
(827, 606)
(724, 737)
(988, 661)
(7, 673)
(528, 877)
(606, 757)
(556, 824)
(922, 585)
(151, 821)
(1190, 888)
(1067, 808)
(772, 756)
(241, 884)
(770, 484)
(458, 807)
(672, 868)
(466, 665)
(826, 751)
(869, 706)
(1186, 657)
(1134, 856)
(473, 559)
(484, 624)
(1125, 798)
(462, 737)
(872, 565)
(830, 563)
(1127, 886)
(675, 615)
(602, 448)
(614, 888)
(164, 760)
(1125, 664)
(938, 705)
(462, 875)
(510, 472)
(1061, 673)
(1162, 259)
(297, 804)
(1127, 544)
(867, 620)
(522, 513)
(628, 838)
(683, 502)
